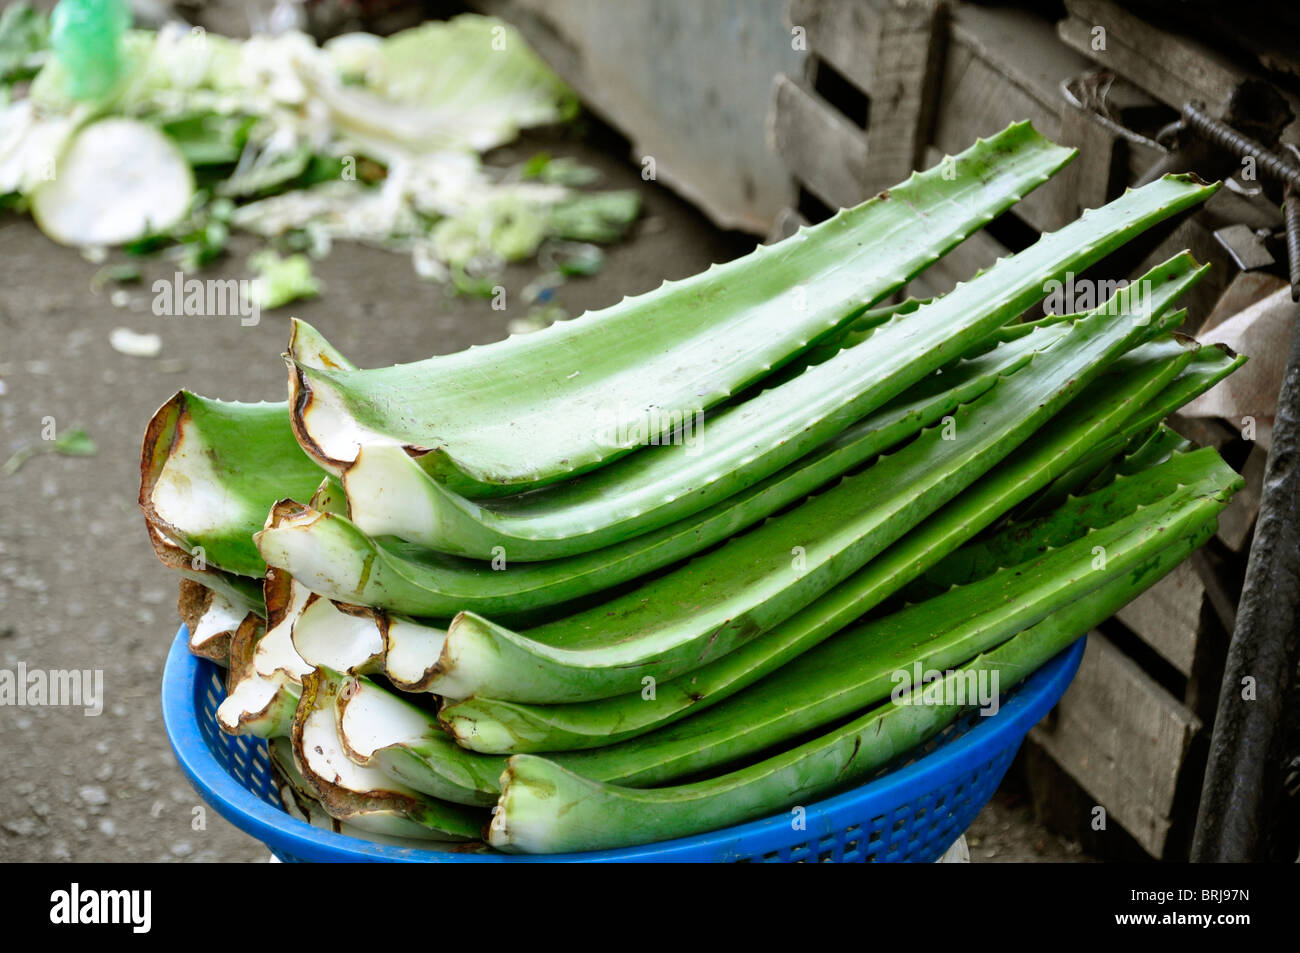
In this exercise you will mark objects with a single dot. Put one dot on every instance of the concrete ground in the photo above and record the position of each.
(79, 585)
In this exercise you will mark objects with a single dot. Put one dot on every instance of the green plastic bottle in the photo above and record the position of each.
(86, 36)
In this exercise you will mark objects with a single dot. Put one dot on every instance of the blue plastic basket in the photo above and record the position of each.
(911, 813)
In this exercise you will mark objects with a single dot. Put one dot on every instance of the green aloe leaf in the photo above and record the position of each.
(364, 796)
(546, 808)
(852, 670)
(707, 458)
(1144, 450)
(860, 666)
(1019, 542)
(242, 590)
(209, 472)
(719, 601)
(386, 731)
(1210, 365)
(334, 557)
(519, 413)
(211, 469)
(264, 681)
(497, 726)
(299, 800)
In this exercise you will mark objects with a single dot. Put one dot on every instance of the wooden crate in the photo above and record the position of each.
(888, 50)
(1125, 739)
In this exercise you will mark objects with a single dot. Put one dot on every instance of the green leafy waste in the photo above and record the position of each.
(392, 155)
(24, 36)
(70, 443)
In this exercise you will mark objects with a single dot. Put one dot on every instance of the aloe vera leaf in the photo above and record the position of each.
(546, 808)
(344, 639)
(1022, 540)
(717, 602)
(384, 730)
(265, 675)
(334, 557)
(1211, 364)
(196, 482)
(1144, 450)
(497, 726)
(311, 348)
(359, 640)
(329, 497)
(389, 494)
(517, 414)
(256, 703)
(297, 797)
(858, 667)
(210, 470)
(365, 796)
(853, 669)
(744, 442)
(191, 565)
(299, 800)
(847, 335)
(211, 620)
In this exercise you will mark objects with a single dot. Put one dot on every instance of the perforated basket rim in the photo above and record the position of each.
(989, 738)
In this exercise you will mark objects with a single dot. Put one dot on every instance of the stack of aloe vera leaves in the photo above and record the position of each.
(671, 566)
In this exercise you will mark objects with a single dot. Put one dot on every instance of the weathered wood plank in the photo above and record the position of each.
(843, 34)
(1191, 235)
(892, 51)
(1236, 522)
(687, 83)
(1172, 67)
(1124, 739)
(1024, 46)
(902, 91)
(821, 148)
(1090, 178)
(1167, 616)
(1004, 66)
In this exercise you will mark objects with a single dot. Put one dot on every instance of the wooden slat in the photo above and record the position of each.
(1123, 738)
(1088, 179)
(821, 148)
(1024, 46)
(902, 91)
(1172, 67)
(843, 34)
(686, 83)
(1004, 66)
(891, 50)
(1168, 615)
(1236, 522)
(1191, 235)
